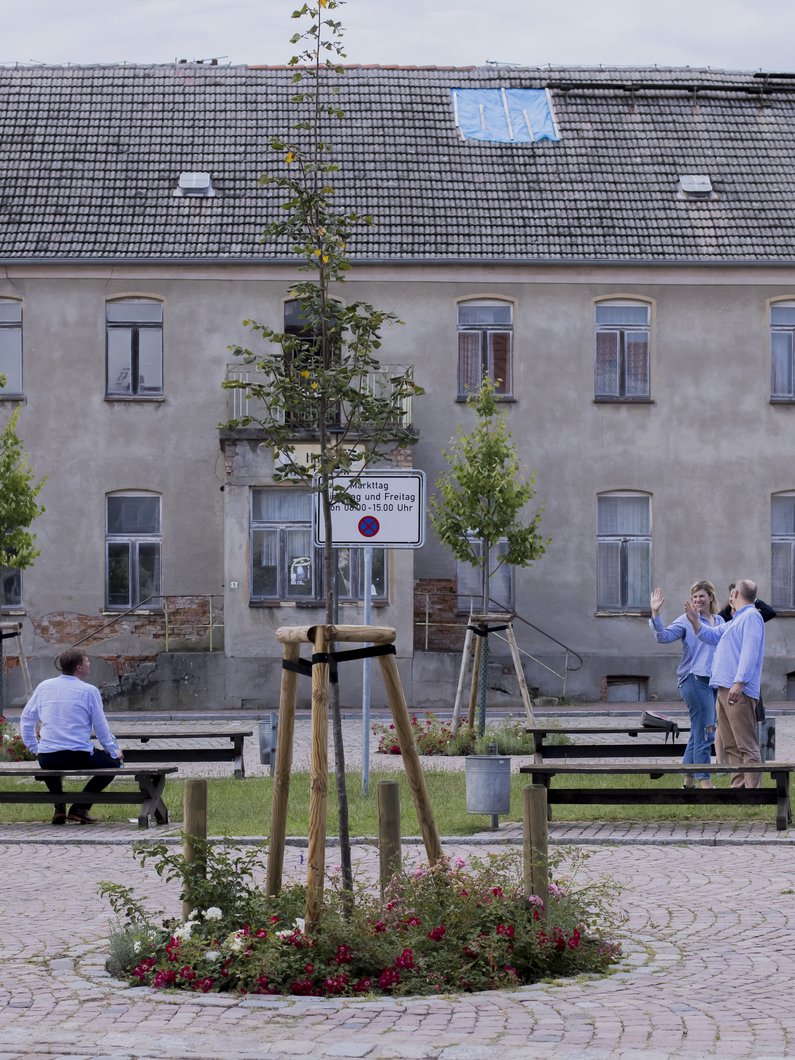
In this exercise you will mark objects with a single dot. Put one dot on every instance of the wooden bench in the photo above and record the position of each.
(654, 744)
(149, 796)
(542, 773)
(232, 751)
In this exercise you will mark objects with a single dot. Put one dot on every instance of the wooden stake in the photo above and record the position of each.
(281, 778)
(389, 850)
(318, 792)
(411, 762)
(473, 688)
(517, 665)
(195, 827)
(459, 692)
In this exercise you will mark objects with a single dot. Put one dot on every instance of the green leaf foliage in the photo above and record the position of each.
(485, 493)
(18, 500)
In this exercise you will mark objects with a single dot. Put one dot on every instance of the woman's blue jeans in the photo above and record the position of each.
(700, 699)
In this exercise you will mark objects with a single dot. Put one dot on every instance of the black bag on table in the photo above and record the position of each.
(652, 719)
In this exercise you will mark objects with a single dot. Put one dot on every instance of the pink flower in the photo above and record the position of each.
(388, 978)
(437, 933)
(507, 930)
(460, 863)
(405, 960)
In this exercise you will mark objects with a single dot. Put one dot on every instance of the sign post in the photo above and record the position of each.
(389, 512)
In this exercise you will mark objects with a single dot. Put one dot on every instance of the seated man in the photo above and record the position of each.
(68, 709)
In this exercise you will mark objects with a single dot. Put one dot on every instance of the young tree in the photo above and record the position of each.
(18, 507)
(480, 502)
(323, 375)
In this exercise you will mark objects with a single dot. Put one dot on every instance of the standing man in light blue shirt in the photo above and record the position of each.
(737, 675)
(68, 709)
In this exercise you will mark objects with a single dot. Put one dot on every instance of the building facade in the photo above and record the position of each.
(617, 248)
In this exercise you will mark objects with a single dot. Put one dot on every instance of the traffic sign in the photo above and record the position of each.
(389, 511)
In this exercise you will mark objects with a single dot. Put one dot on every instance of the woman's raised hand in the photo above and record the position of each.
(656, 600)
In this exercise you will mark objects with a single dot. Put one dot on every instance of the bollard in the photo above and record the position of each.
(389, 851)
(194, 827)
(536, 843)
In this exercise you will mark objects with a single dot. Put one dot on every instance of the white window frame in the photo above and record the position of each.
(11, 347)
(477, 342)
(133, 330)
(288, 568)
(782, 550)
(616, 381)
(623, 549)
(134, 542)
(782, 351)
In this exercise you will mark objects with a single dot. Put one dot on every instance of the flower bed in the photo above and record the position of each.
(435, 737)
(12, 749)
(453, 927)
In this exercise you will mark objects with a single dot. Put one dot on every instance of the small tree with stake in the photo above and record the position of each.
(480, 501)
(18, 508)
(323, 375)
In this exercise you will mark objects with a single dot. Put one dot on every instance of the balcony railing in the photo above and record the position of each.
(241, 404)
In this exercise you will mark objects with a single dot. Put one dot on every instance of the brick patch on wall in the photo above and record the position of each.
(437, 626)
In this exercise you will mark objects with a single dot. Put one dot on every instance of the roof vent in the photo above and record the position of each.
(196, 185)
(694, 186)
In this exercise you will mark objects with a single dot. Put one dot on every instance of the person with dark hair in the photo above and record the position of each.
(737, 675)
(68, 709)
(693, 672)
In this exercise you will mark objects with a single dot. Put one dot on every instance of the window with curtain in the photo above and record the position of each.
(285, 565)
(782, 345)
(622, 351)
(623, 552)
(485, 346)
(469, 580)
(134, 348)
(782, 547)
(10, 587)
(11, 347)
(132, 550)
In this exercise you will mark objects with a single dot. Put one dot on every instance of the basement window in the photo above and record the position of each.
(505, 115)
(195, 185)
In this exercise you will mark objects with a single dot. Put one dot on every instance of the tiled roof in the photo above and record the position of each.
(90, 156)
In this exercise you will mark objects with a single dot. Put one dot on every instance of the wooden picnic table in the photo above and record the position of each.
(230, 751)
(778, 796)
(149, 797)
(656, 743)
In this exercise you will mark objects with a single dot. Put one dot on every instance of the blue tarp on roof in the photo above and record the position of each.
(504, 115)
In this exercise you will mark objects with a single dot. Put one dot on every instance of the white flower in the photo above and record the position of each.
(300, 923)
(286, 933)
(184, 931)
(235, 942)
(211, 955)
(193, 914)
(136, 946)
(213, 913)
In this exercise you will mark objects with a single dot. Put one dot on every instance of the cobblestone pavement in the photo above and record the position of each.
(708, 938)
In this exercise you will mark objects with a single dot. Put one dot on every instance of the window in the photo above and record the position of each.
(622, 351)
(135, 348)
(485, 340)
(133, 550)
(623, 552)
(469, 581)
(782, 342)
(505, 115)
(285, 565)
(10, 587)
(782, 547)
(11, 347)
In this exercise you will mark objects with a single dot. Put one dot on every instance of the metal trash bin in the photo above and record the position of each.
(488, 785)
(268, 732)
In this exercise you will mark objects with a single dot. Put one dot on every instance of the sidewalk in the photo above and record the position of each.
(710, 912)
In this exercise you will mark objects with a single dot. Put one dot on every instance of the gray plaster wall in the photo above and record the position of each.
(709, 448)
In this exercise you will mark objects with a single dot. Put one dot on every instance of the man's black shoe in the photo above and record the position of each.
(76, 817)
(59, 818)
